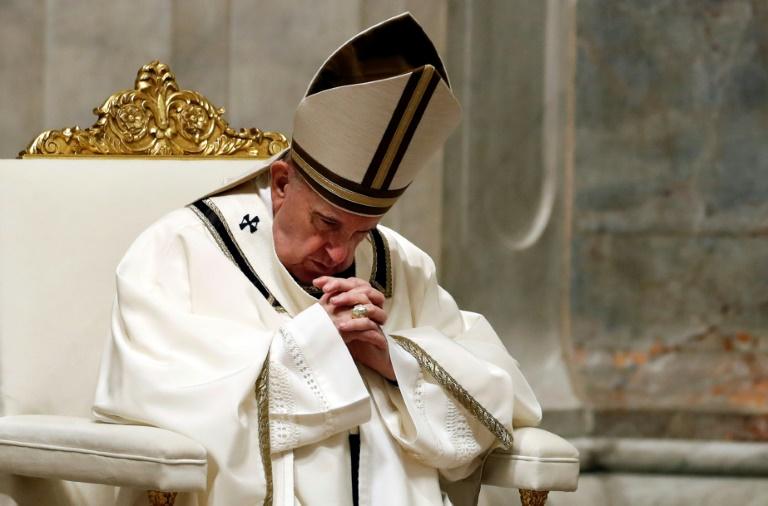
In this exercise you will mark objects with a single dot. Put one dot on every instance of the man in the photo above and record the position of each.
(310, 350)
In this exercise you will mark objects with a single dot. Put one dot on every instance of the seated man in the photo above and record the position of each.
(310, 350)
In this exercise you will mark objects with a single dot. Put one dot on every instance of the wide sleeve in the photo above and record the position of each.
(459, 392)
(173, 365)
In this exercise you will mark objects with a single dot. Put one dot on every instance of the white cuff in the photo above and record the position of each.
(328, 356)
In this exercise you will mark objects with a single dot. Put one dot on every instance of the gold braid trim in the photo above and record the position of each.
(459, 393)
(388, 260)
(214, 233)
(262, 402)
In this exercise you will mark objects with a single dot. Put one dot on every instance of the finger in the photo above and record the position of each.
(376, 314)
(371, 337)
(321, 281)
(343, 285)
(349, 299)
(376, 297)
(358, 325)
(359, 295)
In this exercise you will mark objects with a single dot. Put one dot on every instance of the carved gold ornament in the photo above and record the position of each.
(533, 497)
(157, 498)
(157, 119)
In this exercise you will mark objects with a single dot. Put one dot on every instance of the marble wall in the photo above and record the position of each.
(506, 228)
(669, 290)
(642, 308)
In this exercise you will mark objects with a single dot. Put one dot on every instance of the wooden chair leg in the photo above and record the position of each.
(157, 498)
(533, 497)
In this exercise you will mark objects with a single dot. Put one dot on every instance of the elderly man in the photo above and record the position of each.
(310, 350)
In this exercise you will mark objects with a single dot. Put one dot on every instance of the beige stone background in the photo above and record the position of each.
(603, 203)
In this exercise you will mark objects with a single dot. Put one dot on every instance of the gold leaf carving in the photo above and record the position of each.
(157, 498)
(156, 118)
(533, 497)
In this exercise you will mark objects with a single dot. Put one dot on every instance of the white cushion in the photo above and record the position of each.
(64, 226)
(80, 449)
(539, 460)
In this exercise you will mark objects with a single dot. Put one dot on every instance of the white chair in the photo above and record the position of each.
(67, 215)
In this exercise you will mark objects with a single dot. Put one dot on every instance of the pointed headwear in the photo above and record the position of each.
(373, 115)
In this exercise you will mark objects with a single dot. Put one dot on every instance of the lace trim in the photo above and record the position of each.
(309, 377)
(458, 392)
(460, 434)
(418, 400)
(284, 433)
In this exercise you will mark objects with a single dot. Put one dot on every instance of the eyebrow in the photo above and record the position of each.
(326, 217)
(336, 222)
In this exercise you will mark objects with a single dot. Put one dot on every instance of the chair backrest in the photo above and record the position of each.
(65, 222)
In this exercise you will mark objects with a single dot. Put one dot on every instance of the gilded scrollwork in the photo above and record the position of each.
(533, 497)
(157, 498)
(157, 118)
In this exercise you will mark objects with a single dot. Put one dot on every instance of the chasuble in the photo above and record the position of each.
(211, 337)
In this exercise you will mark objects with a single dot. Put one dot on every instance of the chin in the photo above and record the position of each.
(308, 274)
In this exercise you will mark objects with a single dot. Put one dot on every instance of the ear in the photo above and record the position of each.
(280, 173)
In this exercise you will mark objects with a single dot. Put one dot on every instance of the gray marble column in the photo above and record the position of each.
(506, 234)
(669, 294)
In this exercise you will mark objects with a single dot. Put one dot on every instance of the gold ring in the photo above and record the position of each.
(359, 311)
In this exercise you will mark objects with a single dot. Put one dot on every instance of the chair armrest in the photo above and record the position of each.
(539, 460)
(80, 449)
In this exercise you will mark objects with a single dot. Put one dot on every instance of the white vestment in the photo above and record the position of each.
(191, 333)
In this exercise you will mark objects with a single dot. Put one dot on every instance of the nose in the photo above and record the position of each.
(336, 252)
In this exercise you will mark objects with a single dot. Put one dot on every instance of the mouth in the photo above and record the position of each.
(320, 267)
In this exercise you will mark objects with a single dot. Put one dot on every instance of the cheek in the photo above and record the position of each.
(294, 240)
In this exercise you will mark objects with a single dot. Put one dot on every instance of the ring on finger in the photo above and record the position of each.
(359, 311)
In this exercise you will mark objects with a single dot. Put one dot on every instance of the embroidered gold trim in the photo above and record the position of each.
(271, 299)
(262, 403)
(458, 392)
(341, 192)
(386, 290)
(388, 261)
(261, 388)
(375, 268)
(405, 121)
(213, 233)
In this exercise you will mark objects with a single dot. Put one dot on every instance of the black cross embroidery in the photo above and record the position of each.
(249, 222)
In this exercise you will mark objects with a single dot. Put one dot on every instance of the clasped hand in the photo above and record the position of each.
(363, 336)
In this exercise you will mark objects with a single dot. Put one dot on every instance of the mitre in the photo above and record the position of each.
(375, 112)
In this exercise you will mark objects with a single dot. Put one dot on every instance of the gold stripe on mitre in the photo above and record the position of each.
(376, 204)
(402, 127)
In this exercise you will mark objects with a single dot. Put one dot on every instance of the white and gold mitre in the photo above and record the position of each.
(373, 115)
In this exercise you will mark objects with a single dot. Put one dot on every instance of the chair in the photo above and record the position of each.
(70, 208)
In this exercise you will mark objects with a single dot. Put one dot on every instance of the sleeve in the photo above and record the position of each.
(170, 366)
(315, 389)
(459, 391)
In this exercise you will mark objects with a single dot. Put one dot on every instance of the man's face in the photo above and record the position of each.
(312, 237)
